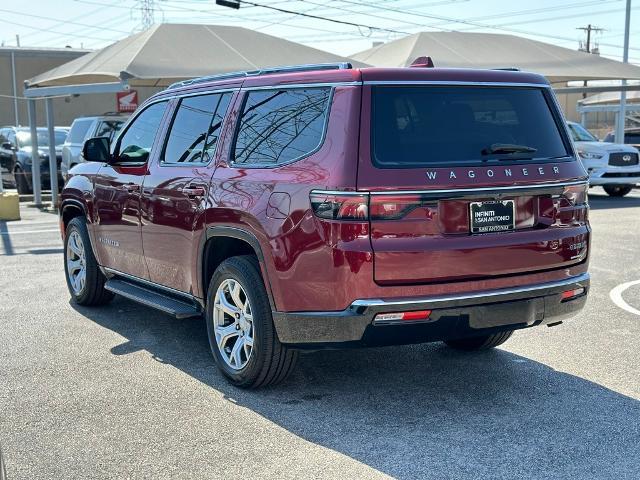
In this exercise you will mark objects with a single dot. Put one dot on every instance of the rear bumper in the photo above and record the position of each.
(452, 316)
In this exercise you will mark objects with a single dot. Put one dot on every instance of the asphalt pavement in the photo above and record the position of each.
(123, 391)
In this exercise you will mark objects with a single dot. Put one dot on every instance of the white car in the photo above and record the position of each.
(614, 166)
(82, 128)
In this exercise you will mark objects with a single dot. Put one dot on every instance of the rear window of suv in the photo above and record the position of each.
(415, 126)
(79, 130)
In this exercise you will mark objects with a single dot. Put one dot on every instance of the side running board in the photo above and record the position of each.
(152, 298)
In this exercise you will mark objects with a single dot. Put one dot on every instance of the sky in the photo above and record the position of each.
(96, 23)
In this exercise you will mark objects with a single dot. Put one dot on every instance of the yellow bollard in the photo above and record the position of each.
(9, 206)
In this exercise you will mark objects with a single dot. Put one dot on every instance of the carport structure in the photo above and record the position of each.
(157, 57)
(489, 50)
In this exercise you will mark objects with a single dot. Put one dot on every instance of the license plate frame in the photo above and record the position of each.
(492, 216)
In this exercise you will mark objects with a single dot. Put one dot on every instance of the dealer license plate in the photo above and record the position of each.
(494, 216)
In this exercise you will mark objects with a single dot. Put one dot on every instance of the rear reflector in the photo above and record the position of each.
(576, 292)
(403, 316)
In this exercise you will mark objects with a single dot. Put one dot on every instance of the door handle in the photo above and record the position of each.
(194, 192)
(131, 187)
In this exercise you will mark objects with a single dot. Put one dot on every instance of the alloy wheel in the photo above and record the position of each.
(233, 324)
(76, 262)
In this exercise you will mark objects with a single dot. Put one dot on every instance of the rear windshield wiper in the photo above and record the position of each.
(506, 149)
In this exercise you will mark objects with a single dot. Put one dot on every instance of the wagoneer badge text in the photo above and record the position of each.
(491, 172)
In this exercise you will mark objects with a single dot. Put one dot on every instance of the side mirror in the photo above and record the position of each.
(7, 145)
(97, 150)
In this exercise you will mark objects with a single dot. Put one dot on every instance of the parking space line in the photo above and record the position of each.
(29, 231)
(616, 296)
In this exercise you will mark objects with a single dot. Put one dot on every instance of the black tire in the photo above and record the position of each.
(617, 190)
(21, 182)
(93, 292)
(483, 342)
(270, 362)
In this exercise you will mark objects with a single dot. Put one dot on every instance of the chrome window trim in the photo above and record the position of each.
(471, 296)
(488, 189)
(455, 83)
(206, 91)
(301, 85)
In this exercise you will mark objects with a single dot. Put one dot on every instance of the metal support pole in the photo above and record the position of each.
(53, 162)
(35, 157)
(15, 89)
(619, 138)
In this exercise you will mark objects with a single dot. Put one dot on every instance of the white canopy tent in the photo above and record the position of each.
(159, 56)
(489, 50)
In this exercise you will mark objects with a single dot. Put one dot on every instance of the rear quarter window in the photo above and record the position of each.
(416, 126)
(281, 126)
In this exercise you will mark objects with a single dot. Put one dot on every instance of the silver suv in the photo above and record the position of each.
(88, 127)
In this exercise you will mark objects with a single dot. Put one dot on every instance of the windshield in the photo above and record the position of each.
(415, 126)
(24, 138)
(581, 134)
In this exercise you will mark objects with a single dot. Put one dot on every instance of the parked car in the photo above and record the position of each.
(324, 206)
(87, 127)
(631, 137)
(16, 157)
(613, 166)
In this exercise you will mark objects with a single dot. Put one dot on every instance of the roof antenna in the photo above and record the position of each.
(423, 62)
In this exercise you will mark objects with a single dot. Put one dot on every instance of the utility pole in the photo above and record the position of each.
(619, 138)
(588, 29)
(147, 13)
(586, 47)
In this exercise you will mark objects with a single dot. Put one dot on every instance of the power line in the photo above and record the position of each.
(317, 17)
(70, 22)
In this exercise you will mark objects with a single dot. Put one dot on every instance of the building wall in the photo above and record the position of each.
(30, 62)
(568, 102)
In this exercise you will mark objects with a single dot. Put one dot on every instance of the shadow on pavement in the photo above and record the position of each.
(602, 201)
(418, 411)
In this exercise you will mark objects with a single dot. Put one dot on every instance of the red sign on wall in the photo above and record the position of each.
(127, 101)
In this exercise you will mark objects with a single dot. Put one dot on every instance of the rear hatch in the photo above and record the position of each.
(469, 181)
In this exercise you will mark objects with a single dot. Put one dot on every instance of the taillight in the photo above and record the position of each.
(340, 205)
(571, 206)
(576, 195)
(333, 205)
(394, 207)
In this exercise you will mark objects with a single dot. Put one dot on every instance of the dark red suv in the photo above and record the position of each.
(324, 206)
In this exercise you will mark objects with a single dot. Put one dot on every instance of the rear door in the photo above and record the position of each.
(469, 182)
(176, 189)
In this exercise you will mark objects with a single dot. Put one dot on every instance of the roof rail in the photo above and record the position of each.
(264, 71)
(507, 69)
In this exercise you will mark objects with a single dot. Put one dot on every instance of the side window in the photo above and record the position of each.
(136, 142)
(79, 131)
(196, 123)
(3, 136)
(109, 128)
(280, 126)
(11, 138)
